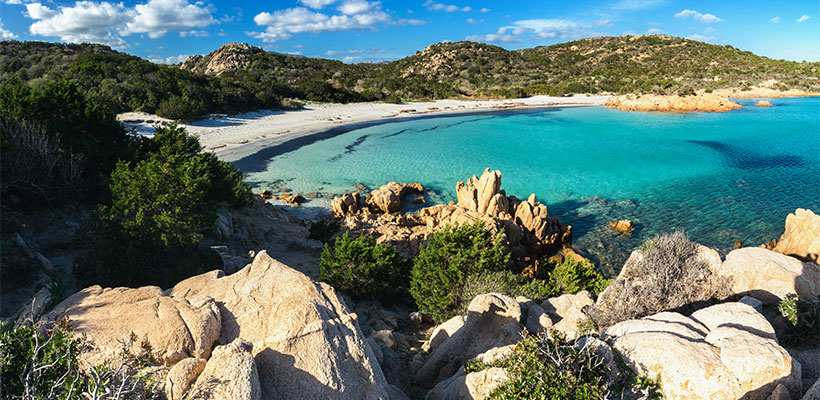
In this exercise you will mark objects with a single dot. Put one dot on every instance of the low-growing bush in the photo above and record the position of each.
(443, 265)
(362, 268)
(669, 275)
(546, 366)
(572, 276)
(802, 327)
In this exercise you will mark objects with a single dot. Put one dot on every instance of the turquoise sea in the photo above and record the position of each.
(720, 176)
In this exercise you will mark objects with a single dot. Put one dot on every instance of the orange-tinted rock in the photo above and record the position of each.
(704, 102)
(763, 103)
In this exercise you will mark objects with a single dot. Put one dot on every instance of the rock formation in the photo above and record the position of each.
(529, 230)
(306, 342)
(801, 238)
(726, 351)
(229, 57)
(763, 103)
(703, 102)
(770, 276)
(230, 374)
(623, 225)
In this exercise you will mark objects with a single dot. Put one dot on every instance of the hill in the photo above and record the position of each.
(239, 77)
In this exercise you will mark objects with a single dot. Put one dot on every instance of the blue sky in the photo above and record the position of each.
(364, 30)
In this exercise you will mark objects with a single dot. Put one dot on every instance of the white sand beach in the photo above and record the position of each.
(243, 133)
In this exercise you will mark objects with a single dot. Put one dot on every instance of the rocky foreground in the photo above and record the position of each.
(269, 331)
(702, 102)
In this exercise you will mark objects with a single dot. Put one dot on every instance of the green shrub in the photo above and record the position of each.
(802, 327)
(546, 366)
(23, 349)
(362, 268)
(161, 207)
(323, 230)
(504, 282)
(443, 265)
(181, 107)
(572, 277)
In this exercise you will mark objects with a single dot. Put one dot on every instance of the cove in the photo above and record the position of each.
(722, 177)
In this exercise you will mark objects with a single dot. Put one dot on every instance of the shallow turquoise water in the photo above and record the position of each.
(720, 176)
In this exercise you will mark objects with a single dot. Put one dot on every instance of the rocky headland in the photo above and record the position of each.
(702, 102)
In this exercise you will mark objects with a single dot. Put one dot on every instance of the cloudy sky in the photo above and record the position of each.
(363, 30)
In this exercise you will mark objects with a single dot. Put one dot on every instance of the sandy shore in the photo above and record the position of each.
(243, 133)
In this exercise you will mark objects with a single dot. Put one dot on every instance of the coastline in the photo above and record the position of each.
(230, 136)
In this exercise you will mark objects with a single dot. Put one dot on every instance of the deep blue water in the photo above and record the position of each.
(720, 176)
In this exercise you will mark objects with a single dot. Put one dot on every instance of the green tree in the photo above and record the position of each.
(362, 268)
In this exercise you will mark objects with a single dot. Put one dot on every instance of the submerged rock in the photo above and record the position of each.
(623, 225)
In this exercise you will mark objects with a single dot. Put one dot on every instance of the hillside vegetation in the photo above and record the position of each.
(239, 77)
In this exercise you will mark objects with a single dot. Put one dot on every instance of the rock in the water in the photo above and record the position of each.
(306, 342)
(492, 321)
(174, 328)
(230, 374)
(267, 194)
(444, 332)
(623, 225)
(770, 276)
(181, 376)
(292, 198)
(388, 198)
(475, 385)
(763, 103)
(801, 239)
(727, 351)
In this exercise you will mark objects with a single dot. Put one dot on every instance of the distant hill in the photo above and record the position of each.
(239, 77)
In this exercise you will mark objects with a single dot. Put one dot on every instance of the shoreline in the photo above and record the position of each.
(235, 136)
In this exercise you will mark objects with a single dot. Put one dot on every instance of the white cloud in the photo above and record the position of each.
(628, 33)
(603, 22)
(84, 22)
(372, 50)
(14, 2)
(485, 10)
(709, 30)
(775, 20)
(803, 18)
(356, 7)
(406, 21)
(106, 23)
(168, 60)
(502, 36)
(705, 18)
(654, 31)
(700, 38)
(157, 17)
(317, 4)
(433, 6)
(653, 23)
(637, 4)
(6, 35)
(552, 28)
(474, 21)
(282, 24)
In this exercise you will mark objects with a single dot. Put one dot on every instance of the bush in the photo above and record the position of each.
(802, 327)
(572, 277)
(669, 275)
(362, 268)
(443, 265)
(161, 207)
(181, 107)
(504, 282)
(23, 354)
(546, 366)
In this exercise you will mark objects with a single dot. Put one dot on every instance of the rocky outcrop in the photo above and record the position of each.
(567, 312)
(623, 225)
(228, 58)
(726, 351)
(770, 276)
(444, 332)
(492, 321)
(529, 230)
(475, 385)
(306, 342)
(174, 328)
(763, 103)
(801, 238)
(703, 102)
(181, 376)
(230, 374)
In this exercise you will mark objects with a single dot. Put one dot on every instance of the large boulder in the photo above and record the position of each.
(388, 198)
(769, 276)
(443, 332)
(726, 351)
(476, 193)
(174, 328)
(348, 203)
(306, 342)
(230, 374)
(182, 375)
(801, 239)
(492, 321)
(475, 385)
(566, 312)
